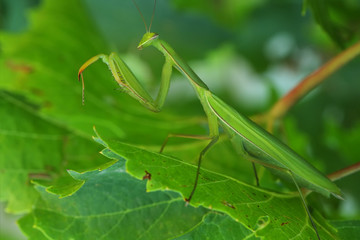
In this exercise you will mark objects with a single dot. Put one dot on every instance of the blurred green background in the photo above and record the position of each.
(250, 53)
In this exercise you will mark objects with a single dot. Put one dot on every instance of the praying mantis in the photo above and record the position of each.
(254, 143)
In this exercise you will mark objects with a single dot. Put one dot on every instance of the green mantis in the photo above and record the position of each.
(253, 142)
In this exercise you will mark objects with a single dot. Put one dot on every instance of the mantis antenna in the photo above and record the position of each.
(142, 16)
(152, 16)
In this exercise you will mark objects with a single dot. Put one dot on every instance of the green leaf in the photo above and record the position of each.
(218, 226)
(105, 198)
(26, 224)
(347, 229)
(337, 18)
(266, 213)
(17, 165)
(26, 147)
(106, 208)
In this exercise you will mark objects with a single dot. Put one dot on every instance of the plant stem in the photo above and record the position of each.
(306, 85)
(344, 172)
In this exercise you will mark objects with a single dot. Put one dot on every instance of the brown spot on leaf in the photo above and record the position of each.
(225, 203)
(147, 175)
(37, 92)
(45, 176)
(19, 67)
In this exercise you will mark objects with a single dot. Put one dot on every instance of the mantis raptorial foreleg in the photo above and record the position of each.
(129, 83)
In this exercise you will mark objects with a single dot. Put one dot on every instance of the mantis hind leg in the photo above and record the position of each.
(243, 151)
(254, 159)
(304, 204)
(256, 175)
(253, 164)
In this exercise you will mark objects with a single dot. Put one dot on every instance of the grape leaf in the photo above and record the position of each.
(338, 19)
(111, 205)
(349, 229)
(34, 148)
(264, 212)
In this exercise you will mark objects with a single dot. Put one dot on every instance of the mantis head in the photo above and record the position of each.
(149, 37)
(147, 40)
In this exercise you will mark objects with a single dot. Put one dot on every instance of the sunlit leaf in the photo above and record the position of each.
(261, 211)
(111, 205)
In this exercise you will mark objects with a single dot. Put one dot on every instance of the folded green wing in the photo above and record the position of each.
(271, 151)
